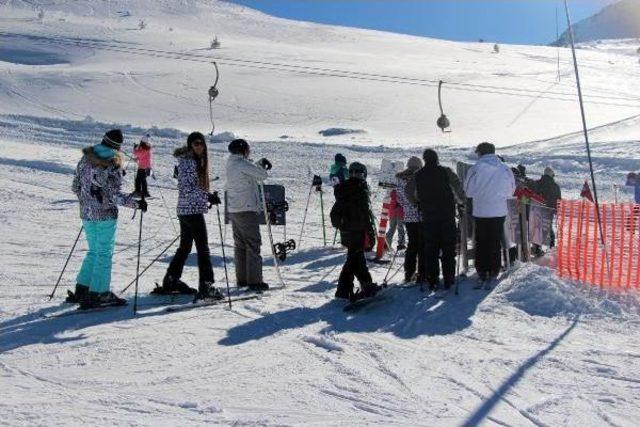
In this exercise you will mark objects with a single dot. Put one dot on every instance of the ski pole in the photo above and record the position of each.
(324, 229)
(304, 217)
(73, 248)
(335, 237)
(459, 257)
(386, 276)
(135, 295)
(150, 264)
(224, 257)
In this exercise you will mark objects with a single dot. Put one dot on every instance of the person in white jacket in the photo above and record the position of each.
(244, 206)
(489, 183)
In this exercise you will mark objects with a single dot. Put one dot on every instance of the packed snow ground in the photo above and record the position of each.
(536, 351)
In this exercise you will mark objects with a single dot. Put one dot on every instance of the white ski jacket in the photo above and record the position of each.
(489, 183)
(242, 186)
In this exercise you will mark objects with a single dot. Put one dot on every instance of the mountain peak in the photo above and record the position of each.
(620, 20)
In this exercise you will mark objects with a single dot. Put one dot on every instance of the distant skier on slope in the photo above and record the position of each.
(193, 200)
(142, 153)
(351, 214)
(338, 172)
(97, 184)
(489, 183)
(438, 190)
(413, 223)
(244, 206)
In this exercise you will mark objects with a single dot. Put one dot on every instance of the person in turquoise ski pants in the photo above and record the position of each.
(97, 183)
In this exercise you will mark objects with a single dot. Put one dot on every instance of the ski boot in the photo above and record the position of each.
(258, 287)
(367, 290)
(77, 296)
(208, 292)
(343, 292)
(104, 299)
(173, 286)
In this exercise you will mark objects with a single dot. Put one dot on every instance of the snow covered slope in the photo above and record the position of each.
(536, 351)
(287, 78)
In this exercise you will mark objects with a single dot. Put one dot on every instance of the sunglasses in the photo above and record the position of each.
(197, 142)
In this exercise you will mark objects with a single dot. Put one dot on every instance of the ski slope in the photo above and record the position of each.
(536, 351)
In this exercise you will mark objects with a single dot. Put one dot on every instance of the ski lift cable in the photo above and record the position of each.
(329, 72)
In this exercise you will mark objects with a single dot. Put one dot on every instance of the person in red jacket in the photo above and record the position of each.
(396, 221)
(142, 155)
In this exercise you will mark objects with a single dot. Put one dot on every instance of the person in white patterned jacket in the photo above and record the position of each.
(97, 184)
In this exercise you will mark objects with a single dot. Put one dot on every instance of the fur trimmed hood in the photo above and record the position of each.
(116, 161)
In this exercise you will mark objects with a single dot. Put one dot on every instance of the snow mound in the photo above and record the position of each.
(340, 131)
(538, 291)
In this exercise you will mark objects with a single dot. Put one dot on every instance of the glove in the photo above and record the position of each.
(316, 181)
(214, 199)
(266, 164)
(142, 205)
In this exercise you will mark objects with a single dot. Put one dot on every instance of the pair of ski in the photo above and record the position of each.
(176, 303)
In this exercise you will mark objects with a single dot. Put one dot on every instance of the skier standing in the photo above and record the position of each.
(338, 172)
(412, 221)
(97, 184)
(547, 187)
(193, 200)
(244, 205)
(142, 156)
(437, 190)
(351, 214)
(489, 183)
(633, 180)
(396, 221)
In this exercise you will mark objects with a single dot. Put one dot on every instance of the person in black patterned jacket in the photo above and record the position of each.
(194, 200)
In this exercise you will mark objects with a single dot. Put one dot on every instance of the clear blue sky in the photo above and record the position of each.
(505, 21)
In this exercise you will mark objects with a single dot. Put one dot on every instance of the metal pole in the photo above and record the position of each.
(135, 296)
(224, 257)
(324, 229)
(73, 248)
(585, 129)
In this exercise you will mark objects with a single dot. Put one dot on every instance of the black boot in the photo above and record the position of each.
(207, 291)
(173, 286)
(77, 296)
(343, 292)
(104, 299)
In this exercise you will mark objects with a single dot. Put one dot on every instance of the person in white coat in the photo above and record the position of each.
(244, 206)
(489, 183)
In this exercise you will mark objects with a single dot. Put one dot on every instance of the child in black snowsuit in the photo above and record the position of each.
(351, 214)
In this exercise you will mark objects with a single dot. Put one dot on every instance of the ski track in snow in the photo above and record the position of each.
(534, 352)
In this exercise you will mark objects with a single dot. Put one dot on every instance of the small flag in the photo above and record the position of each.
(586, 192)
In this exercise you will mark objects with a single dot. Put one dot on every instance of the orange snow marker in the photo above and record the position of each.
(382, 228)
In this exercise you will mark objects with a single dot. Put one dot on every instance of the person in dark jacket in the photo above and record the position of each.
(351, 214)
(434, 190)
(547, 187)
(193, 202)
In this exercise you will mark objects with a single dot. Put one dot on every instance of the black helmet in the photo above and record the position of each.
(239, 146)
(357, 169)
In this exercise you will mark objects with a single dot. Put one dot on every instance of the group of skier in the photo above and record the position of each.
(98, 185)
(427, 199)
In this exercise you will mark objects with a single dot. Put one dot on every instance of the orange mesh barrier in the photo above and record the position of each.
(581, 255)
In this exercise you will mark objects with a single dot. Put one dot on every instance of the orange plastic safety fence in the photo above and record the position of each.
(581, 255)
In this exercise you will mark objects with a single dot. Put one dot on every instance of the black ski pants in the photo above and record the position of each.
(415, 252)
(488, 246)
(440, 247)
(141, 182)
(192, 228)
(356, 264)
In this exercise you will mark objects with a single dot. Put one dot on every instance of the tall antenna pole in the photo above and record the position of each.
(585, 130)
